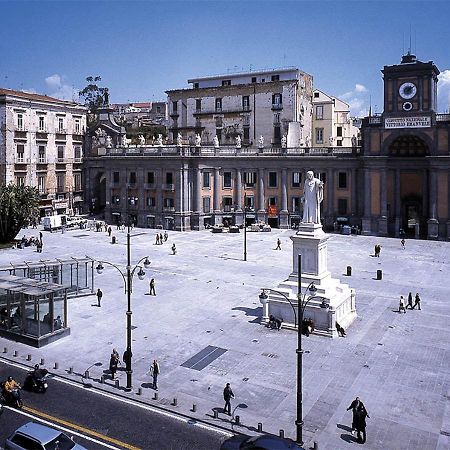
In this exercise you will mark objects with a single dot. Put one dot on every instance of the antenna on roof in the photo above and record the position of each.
(370, 106)
(403, 52)
(409, 50)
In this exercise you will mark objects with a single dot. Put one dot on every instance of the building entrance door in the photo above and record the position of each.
(411, 214)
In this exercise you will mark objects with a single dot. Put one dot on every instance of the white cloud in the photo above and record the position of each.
(444, 91)
(58, 87)
(357, 99)
(360, 88)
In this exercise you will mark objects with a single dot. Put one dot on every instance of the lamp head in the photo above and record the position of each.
(141, 274)
(312, 290)
(99, 268)
(147, 263)
(263, 294)
(324, 305)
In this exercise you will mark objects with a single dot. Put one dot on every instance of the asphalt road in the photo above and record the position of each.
(102, 421)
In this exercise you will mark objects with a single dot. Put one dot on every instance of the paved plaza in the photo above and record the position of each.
(398, 364)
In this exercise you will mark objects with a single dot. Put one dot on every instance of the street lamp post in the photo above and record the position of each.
(128, 285)
(245, 226)
(302, 303)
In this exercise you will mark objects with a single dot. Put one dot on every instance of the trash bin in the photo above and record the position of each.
(379, 274)
(349, 271)
(113, 240)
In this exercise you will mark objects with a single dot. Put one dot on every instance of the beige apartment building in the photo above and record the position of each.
(41, 145)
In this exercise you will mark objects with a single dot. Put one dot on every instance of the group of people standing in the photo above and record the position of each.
(403, 307)
(160, 239)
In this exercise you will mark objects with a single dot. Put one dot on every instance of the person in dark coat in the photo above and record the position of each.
(354, 406)
(410, 303)
(227, 396)
(417, 302)
(113, 363)
(99, 297)
(359, 418)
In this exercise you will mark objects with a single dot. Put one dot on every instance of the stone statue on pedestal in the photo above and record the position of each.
(261, 142)
(238, 141)
(312, 197)
(159, 140)
(123, 140)
(331, 141)
(284, 141)
(108, 141)
(307, 141)
(179, 140)
(198, 140)
(216, 142)
(141, 139)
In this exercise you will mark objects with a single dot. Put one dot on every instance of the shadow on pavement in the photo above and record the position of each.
(253, 312)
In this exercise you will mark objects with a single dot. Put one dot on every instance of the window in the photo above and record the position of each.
(116, 177)
(77, 126)
(296, 204)
(339, 132)
(41, 184)
(219, 134)
(60, 124)
(254, 80)
(219, 122)
(60, 153)
(60, 182)
(151, 202)
(272, 179)
(342, 180)
(275, 77)
(296, 179)
(132, 177)
(174, 107)
(20, 180)
(25, 442)
(77, 152)
(319, 135)
(196, 85)
(198, 104)
(41, 125)
(277, 99)
(246, 120)
(20, 153)
(322, 176)
(206, 204)
(342, 206)
(133, 201)
(249, 202)
(316, 95)
(339, 143)
(272, 201)
(319, 112)
(246, 133)
(168, 202)
(77, 182)
(206, 180)
(227, 179)
(20, 121)
(226, 82)
(250, 179)
(276, 118)
(246, 102)
(150, 177)
(169, 178)
(218, 104)
(227, 203)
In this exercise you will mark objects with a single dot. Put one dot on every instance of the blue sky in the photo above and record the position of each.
(142, 48)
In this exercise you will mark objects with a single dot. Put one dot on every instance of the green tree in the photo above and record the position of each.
(94, 96)
(17, 205)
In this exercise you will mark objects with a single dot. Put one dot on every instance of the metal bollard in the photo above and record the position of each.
(86, 374)
(379, 274)
(102, 379)
(349, 271)
(215, 414)
(237, 420)
(282, 433)
(70, 370)
(259, 427)
(113, 240)
(194, 408)
(5, 349)
(56, 366)
(315, 446)
(155, 396)
(28, 357)
(42, 361)
(16, 353)
(117, 383)
(175, 401)
(139, 391)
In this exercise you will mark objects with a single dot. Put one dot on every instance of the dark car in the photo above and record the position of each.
(265, 442)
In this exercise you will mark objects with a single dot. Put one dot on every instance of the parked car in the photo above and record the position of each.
(33, 435)
(264, 442)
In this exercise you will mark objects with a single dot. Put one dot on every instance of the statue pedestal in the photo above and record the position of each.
(433, 229)
(311, 243)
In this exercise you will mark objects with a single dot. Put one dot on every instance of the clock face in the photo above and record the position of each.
(407, 90)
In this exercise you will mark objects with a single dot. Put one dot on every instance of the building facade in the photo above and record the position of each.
(249, 105)
(41, 145)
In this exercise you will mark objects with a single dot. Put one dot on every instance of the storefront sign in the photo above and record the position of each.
(407, 122)
(60, 205)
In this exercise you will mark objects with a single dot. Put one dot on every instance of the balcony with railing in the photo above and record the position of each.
(168, 187)
(277, 106)
(443, 117)
(169, 208)
(20, 159)
(222, 110)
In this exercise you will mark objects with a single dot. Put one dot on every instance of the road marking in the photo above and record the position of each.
(147, 407)
(80, 428)
(54, 425)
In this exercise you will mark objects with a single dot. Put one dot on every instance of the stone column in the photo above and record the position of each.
(261, 204)
(329, 212)
(216, 198)
(141, 196)
(366, 221)
(284, 213)
(432, 222)
(448, 205)
(198, 191)
(159, 197)
(382, 221)
(238, 190)
(398, 203)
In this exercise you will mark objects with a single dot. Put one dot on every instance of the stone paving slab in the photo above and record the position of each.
(399, 364)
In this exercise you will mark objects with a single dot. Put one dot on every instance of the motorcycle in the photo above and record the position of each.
(36, 383)
(11, 398)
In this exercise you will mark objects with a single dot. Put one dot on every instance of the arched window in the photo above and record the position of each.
(411, 146)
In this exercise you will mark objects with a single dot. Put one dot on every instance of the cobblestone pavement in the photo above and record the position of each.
(399, 364)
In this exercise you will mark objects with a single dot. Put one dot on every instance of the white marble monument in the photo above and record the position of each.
(310, 242)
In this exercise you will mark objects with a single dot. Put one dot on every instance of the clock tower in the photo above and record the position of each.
(410, 87)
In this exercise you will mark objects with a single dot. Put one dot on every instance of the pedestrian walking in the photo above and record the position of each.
(155, 371)
(174, 249)
(152, 287)
(99, 297)
(354, 406)
(113, 363)
(116, 354)
(157, 239)
(401, 305)
(166, 236)
(417, 302)
(403, 243)
(410, 303)
(161, 238)
(109, 231)
(340, 330)
(360, 423)
(278, 244)
(227, 396)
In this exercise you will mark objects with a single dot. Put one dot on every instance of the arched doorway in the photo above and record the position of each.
(408, 146)
(99, 193)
